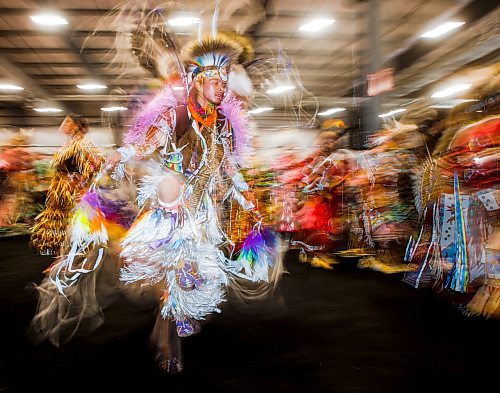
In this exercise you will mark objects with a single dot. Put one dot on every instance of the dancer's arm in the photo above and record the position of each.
(170, 124)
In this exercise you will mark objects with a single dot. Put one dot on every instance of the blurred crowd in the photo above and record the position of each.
(422, 198)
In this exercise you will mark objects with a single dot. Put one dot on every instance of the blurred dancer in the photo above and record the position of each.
(16, 180)
(75, 165)
(321, 207)
(457, 247)
(179, 245)
(388, 216)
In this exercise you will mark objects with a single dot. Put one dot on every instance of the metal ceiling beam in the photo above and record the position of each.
(479, 54)
(412, 51)
(65, 64)
(43, 120)
(67, 12)
(93, 97)
(77, 98)
(87, 51)
(69, 87)
(104, 12)
(37, 91)
(117, 77)
(12, 71)
(304, 66)
(107, 64)
(57, 76)
(112, 33)
(293, 35)
(470, 11)
(41, 33)
(308, 52)
(96, 76)
(416, 39)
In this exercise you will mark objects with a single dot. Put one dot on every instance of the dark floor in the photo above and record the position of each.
(346, 330)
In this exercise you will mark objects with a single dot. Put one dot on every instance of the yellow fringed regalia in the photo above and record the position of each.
(75, 165)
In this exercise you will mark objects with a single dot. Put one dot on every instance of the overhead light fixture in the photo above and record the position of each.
(451, 103)
(10, 87)
(280, 89)
(91, 86)
(183, 21)
(392, 113)
(49, 20)
(316, 24)
(411, 102)
(442, 106)
(442, 29)
(331, 111)
(113, 108)
(178, 88)
(260, 110)
(451, 90)
(47, 110)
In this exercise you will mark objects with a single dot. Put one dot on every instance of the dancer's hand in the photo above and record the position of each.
(112, 160)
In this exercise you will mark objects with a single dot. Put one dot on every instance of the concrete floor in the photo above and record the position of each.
(346, 330)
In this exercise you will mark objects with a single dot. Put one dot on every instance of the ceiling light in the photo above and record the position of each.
(49, 20)
(11, 87)
(113, 108)
(178, 88)
(91, 86)
(442, 29)
(47, 110)
(411, 102)
(183, 21)
(331, 111)
(451, 90)
(280, 89)
(260, 110)
(451, 103)
(443, 106)
(391, 113)
(316, 24)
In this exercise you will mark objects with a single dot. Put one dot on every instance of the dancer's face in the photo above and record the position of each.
(68, 126)
(213, 89)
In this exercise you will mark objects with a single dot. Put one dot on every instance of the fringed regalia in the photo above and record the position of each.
(457, 246)
(181, 243)
(75, 165)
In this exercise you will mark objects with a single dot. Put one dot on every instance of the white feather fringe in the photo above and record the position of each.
(240, 83)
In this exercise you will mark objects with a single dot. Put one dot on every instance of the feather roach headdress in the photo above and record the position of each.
(247, 52)
(210, 57)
